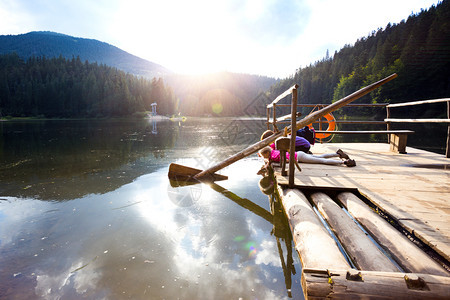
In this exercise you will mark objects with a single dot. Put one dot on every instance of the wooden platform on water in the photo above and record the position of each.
(413, 189)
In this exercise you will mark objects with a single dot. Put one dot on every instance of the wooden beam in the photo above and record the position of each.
(293, 135)
(447, 151)
(382, 105)
(417, 120)
(316, 248)
(363, 252)
(340, 284)
(367, 131)
(419, 102)
(286, 93)
(402, 250)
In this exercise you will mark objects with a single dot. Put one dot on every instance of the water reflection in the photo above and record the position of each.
(134, 242)
(66, 160)
(135, 236)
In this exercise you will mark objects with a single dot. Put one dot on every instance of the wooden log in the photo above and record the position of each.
(283, 144)
(447, 150)
(402, 250)
(315, 246)
(419, 102)
(417, 120)
(284, 94)
(301, 123)
(367, 131)
(287, 117)
(363, 252)
(274, 116)
(336, 284)
(382, 105)
(293, 135)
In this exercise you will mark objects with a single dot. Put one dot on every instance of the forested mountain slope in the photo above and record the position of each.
(70, 88)
(417, 49)
(52, 44)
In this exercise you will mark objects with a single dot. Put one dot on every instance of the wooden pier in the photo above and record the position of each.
(378, 230)
(411, 190)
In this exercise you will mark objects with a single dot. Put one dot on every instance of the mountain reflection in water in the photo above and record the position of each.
(87, 210)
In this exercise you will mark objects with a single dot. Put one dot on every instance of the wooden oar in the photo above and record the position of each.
(182, 175)
(209, 173)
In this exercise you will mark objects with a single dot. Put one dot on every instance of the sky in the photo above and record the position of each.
(263, 37)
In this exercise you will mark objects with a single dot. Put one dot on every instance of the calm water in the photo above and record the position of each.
(87, 211)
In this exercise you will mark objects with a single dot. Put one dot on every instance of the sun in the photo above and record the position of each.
(187, 37)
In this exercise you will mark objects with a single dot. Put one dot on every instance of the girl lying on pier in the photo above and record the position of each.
(302, 154)
(274, 155)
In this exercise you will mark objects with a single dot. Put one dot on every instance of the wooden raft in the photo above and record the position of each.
(413, 189)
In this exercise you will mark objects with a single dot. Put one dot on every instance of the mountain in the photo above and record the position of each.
(51, 44)
(235, 94)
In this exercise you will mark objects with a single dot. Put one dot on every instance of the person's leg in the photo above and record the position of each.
(314, 159)
(326, 155)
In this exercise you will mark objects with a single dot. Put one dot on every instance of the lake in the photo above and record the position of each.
(87, 211)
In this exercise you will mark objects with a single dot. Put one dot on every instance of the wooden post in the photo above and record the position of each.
(397, 142)
(293, 136)
(268, 118)
(447, 151)
(274, 118)
(388, 125)
(283, 144)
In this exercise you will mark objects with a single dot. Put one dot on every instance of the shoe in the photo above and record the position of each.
(342, 154)
(350, 163)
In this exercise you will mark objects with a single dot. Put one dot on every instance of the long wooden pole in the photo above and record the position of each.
(447, 150)
(293, 135)
(419, 102)
(305, 121)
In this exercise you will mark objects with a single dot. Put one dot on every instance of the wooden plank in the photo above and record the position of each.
(419, 102)
(417, 120)
(447, 150)
(428, 235)
(405, 253)
(284, 94)
(341, 284)
(309, 234)
(363, 252)
(382, 105)
(286, 117)
(367, 131)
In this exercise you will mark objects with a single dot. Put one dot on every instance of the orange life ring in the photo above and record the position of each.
(331, 126)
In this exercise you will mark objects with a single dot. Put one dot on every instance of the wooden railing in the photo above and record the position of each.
(447, 121)
(283, 120)
(397, 138)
